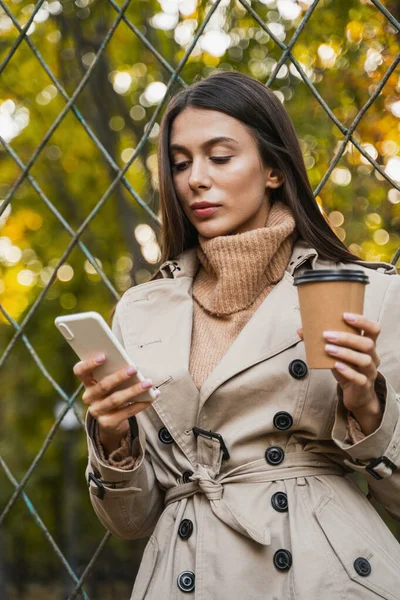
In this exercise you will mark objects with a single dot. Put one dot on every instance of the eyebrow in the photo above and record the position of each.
(207, 144)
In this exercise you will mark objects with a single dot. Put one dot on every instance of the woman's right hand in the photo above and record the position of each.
(111, 409)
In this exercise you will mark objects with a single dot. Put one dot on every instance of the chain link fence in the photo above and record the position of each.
(26, 173)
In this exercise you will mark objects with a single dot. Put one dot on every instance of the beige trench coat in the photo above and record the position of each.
(281, 518)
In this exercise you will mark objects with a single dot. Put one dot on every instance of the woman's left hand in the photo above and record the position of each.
(357, 368)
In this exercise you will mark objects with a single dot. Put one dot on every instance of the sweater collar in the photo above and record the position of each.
(235, 269)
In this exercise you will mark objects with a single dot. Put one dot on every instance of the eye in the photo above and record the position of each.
(179, 166)
(220, 159)
(217, 159)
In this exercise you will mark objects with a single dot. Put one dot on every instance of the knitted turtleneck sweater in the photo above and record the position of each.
(236, 274)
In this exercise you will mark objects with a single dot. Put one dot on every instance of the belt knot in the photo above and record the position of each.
(213, 490)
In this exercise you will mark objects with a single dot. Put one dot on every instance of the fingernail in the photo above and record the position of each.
(340, 366)
(131, 370)
(350, 317)
(146, 384)
(157, 392)
(332, 349)
(330, 335)
(99, 358)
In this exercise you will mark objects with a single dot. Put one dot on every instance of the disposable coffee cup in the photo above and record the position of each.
(324, 295)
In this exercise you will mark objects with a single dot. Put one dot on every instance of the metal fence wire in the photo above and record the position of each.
(173, 73)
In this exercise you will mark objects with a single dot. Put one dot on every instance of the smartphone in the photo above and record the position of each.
(88, 334)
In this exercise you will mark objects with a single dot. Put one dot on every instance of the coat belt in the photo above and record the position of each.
(202, 482)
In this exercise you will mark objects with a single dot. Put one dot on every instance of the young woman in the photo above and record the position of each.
(240, 471)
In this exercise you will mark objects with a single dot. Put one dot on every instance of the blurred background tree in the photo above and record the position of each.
(345, 49)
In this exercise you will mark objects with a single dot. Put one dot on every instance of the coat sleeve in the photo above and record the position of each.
(378, 454)
(128, 502)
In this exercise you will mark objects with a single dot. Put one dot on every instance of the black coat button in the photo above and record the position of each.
(283, 560)
(186, 476)
(279, 501)
(274, 455)
(185, 529)
(164, 436)
(298, 369)
(362, 566)
(283, 420)
(186, 581)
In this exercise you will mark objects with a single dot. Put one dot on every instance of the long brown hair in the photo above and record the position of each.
(258, 108)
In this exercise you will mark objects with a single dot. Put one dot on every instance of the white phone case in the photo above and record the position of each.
(89, 335)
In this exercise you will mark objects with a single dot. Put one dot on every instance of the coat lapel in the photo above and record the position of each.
(157, 321)
(157, 328)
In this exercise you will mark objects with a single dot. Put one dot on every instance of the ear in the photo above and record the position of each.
(273, 178)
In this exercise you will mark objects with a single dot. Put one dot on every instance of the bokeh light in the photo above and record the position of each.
(381, 237)
(341, 176)
(65, 273)
(164, 21)
(288, 9)
(89, 268)
(336, 218)
(155, 92)
(13, 119)
(122, 82)
(393, 168)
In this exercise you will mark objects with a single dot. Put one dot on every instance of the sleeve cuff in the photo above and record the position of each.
(122, 457)
(354, 431)
(382, 442)
(113, 475)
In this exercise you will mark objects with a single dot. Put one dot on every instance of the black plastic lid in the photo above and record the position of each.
(322, 275)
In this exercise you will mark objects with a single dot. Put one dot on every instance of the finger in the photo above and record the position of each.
(354, 341)
(111, 421)
(133, 409)
(119, 399)
(363, 362)
(353, 376)
(300, 332)
(370, 328)
(84, 370)
(339, 377)
(105, 386)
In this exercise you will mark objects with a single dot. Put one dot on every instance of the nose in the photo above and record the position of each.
(198, 177)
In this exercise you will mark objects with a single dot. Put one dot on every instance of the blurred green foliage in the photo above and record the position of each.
(345, 49)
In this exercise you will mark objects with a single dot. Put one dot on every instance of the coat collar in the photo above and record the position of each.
(187, 263)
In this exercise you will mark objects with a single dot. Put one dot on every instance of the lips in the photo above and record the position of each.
(197, 205)
(207, 211)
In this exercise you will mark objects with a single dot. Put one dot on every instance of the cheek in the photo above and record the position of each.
(245, 172)
(247, 184)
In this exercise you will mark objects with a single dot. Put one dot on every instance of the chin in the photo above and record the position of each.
(210, 229)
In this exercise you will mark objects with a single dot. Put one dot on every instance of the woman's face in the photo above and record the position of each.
(225, 172)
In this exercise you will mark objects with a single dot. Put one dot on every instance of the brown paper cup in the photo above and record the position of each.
(324, 295)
